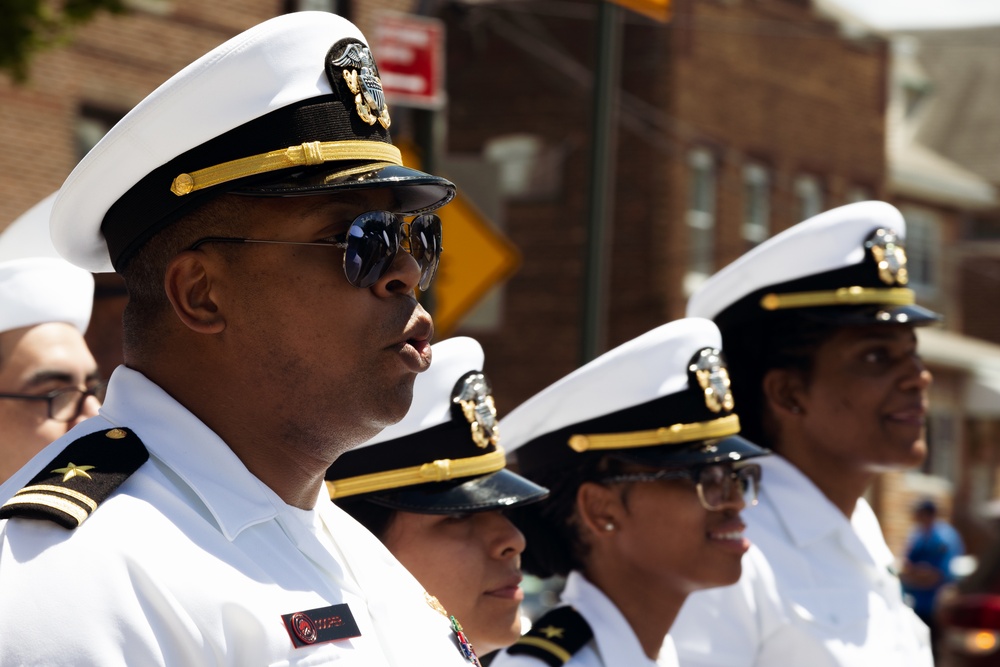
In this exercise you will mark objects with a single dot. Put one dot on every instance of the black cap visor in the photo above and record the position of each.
(855, 316)
(497, 491)
(413, 191)
(729, 449)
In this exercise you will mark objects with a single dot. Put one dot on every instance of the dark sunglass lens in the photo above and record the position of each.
(372, 242)
(425, 245)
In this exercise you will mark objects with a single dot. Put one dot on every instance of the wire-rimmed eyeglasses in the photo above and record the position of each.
(715, 482)
(64, 404)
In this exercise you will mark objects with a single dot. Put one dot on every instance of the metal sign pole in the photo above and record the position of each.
(602, 175)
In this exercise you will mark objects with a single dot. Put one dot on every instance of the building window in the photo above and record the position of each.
(528, 167)
(342, 7)
(756, 204)
(154, 7)
(808, 196)
(857, 193)
(700, 218)
(941, 438)
(92, 123)
(923, 243)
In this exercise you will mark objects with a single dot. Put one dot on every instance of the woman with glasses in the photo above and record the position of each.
(434, 490)
(818, 327)
(648, 477)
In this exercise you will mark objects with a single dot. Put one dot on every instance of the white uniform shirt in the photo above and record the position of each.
(193, 561)
(817, 590)
(614, 643)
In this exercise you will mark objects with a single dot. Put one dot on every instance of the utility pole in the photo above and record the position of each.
(602, 177)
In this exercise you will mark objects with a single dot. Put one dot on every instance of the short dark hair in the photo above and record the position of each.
(144, 273)
(551, 528)
(375, 518)
(787, 342)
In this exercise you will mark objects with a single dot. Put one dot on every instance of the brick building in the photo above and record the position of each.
(735, 120)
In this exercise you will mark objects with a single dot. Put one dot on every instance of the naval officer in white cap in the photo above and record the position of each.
(648, 477)
(434, 489)
(271, 242)
(818, 326)
(49, 380)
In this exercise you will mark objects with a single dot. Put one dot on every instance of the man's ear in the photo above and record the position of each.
(784, 390)
(599, 509)
(188, 284)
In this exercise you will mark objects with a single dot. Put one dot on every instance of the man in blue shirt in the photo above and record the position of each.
(931, 547)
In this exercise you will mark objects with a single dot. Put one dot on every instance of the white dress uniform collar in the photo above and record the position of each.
(615, 641)
(223, 603)
(240, 501)
(789, 491)
(816, 589)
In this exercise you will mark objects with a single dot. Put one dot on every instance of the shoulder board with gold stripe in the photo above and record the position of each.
(555, 637)
(79, 479)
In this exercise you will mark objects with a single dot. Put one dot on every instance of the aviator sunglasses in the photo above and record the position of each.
(371, 243)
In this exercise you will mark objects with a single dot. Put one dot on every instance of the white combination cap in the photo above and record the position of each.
(37, 290)
(845, 266)
(292, 106)
(444, 456)
(36, 284)
(661, 399)
(28, 236)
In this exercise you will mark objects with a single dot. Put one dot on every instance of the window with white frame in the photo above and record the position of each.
(334, 6)
(90, 126)
(923, 243)
(756, 204)
(808, 196)
(700, 218)
(857, 193)
(941, 437)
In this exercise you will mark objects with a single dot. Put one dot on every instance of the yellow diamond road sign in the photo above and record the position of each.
(476, 258)
(654, 9)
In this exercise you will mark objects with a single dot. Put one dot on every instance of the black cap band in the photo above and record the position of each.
(149, 205)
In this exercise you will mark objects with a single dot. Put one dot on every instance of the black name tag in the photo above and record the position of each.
(316, 626)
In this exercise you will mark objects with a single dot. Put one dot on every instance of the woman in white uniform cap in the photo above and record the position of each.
(818, 326)
(648, 477)
(433, 488)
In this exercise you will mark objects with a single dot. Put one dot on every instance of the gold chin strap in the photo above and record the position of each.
(667, 435)
(310, 153)
(845, 296)
(441, 470)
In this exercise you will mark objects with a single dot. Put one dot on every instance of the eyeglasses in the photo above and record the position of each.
(715, 482)
(66, 404)
(371, 243)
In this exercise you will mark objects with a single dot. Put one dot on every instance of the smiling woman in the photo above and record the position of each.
(818, 326)
(648, 478)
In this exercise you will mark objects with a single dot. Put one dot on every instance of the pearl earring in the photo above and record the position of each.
(609, 526)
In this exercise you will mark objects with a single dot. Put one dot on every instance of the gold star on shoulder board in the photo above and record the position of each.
(551, 632)
(73, 470)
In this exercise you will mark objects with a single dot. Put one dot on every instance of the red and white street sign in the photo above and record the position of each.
(409, 51)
